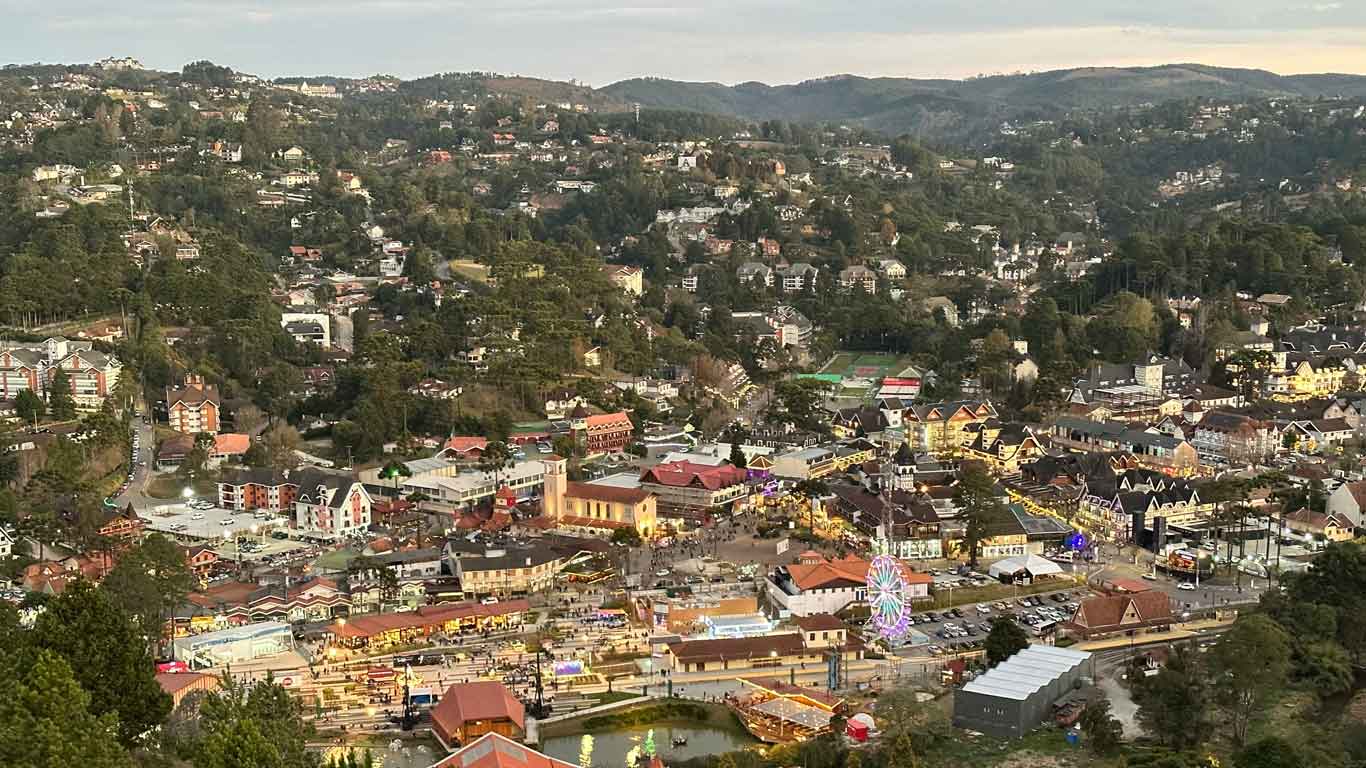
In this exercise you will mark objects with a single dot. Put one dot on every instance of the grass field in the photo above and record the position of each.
(866, 365)
(470, 270)
(171, 487)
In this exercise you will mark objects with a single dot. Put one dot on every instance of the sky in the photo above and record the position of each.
(775, 41)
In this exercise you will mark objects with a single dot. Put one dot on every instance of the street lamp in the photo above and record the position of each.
(186, 492)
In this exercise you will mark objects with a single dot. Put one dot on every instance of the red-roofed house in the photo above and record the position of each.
(1319, 525)
(829, 586)
(229, 446)
(495, 751)
(181, 684)
(470, 710)
(200, 559)
(465, 447)
(1112, 614)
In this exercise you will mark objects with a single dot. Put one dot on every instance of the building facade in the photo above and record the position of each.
(193, 407)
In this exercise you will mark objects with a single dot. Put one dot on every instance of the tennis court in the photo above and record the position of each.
(853, 365)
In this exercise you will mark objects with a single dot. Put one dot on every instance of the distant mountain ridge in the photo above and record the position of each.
(947, 106)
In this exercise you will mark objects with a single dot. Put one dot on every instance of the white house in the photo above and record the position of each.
(817, 585)
(891, 269)
(1349, 501)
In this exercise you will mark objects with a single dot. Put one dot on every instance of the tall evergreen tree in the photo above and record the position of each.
(46, 720)
(60, 402)
(979, 506)
(108, 656)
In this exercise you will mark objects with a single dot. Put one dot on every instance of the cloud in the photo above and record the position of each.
(599, 41)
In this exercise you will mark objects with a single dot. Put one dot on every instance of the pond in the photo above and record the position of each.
(609, 747)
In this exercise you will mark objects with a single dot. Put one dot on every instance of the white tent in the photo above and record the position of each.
(1031, 565)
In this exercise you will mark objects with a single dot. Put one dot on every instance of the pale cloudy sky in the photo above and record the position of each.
(776, 41)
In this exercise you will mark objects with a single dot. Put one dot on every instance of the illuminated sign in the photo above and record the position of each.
(568, 668)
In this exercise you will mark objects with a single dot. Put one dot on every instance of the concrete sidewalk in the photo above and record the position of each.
(1177, 633)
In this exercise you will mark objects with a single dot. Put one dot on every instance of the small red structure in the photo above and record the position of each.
(857, 728)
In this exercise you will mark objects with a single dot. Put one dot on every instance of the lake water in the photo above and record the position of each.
(610, 747)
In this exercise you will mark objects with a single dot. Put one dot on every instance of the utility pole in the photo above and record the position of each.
(408, 714)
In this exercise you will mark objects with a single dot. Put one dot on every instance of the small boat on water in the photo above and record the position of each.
(680, 741)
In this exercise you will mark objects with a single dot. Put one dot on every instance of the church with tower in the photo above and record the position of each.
(595, 509)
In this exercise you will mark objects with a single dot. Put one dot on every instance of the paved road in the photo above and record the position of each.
(142, 460)
(1203, 595)
(342, 332)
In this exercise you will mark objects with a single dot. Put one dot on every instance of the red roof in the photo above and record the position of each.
(1107, 612)
(426, 616)
(467, 702)
(609, 422)
(848, 569)
(171, 682)
(681, 474)
(231, 443)
(465, 444)
(819, 622)
(594, 522)
(609, 493)
(494, 751)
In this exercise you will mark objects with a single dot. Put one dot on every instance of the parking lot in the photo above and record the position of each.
(206, 524)
(966, 626)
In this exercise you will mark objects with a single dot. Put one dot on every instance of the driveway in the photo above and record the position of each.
(1122, 705)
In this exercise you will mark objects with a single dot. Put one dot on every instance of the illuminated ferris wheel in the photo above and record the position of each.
(889, 596)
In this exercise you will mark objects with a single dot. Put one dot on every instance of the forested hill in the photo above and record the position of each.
(949, 107)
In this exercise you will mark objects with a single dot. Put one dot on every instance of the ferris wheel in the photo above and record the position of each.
(888, 596)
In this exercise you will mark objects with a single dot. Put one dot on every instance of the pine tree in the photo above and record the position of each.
(59, 400)
(108, 656)
(45, 718)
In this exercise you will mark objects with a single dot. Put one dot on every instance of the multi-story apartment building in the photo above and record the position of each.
(798, 277)
(252, 489)
(603, 432)
(1305, 379)
(333, 505)
(193, 407)
(941, 428)
(1231, 438)
(33, 366)
(684, 485)
(859, 277)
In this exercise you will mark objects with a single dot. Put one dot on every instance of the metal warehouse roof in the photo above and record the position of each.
(1023, 674)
